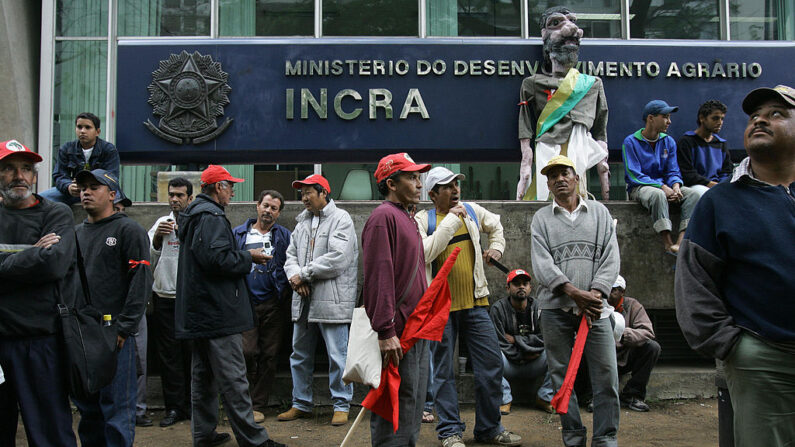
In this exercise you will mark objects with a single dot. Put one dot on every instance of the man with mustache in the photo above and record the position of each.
(734, 283)
(322, 261)
(562, 111)
(450, 224)
(37, 263)
(702, 154)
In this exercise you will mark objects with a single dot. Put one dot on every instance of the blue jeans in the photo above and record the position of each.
(485, 354)
(54, 195)
(108, 419)
(559, 328)
(653, 199)
(526, 372)
(302, 363)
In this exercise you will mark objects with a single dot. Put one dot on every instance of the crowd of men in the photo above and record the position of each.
(222, 296)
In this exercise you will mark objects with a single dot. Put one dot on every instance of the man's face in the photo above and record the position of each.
(268, 210)
(658, 123)
(406, 188)
(770, 129)
(446, 195)
(519, 288)
(17, 176)
(562, 181)
(95, 197)
(86, 132)
(225, 191)
(616, 293)
(178, 198)
(561, 37)
(713, 122)
(313, 200)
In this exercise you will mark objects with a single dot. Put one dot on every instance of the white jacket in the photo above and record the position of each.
(164, 261)
(436, 243)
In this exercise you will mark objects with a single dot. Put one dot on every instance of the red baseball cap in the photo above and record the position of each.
(397, 162)
(216, 173)
(314, 179)
(11, 147)
(518, 272)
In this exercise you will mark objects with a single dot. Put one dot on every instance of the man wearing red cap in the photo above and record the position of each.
(37, 260)
(394, 281)
(213, 309)
(322, 261)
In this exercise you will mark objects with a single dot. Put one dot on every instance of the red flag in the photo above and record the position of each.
(426, 322)
(562, 397)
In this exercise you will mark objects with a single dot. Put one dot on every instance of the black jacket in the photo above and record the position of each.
(212, 298)
(71, 161)
(117, 286)
(505, 322)
(31, 277)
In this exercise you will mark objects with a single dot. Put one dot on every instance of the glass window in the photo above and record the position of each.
(473, 18)
(369, 18)
(281, 178)
(596, 18)
(351, 181)
(81, 18)
(674, 19)
(164, 18)
(267, 18)
(489, 181)
(762, 20)
(80, 85)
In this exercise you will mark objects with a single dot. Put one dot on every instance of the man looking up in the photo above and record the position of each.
(174, 354)
(702, 154)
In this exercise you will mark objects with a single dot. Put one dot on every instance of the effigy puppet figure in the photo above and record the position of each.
(562, 111)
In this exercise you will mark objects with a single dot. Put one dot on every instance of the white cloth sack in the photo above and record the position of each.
(583, 150)
(363, 364)
(2, 377)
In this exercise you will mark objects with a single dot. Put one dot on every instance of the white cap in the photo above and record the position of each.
(441, 176)
(620, 282)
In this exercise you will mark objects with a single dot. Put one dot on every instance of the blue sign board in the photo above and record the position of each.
(337, 100)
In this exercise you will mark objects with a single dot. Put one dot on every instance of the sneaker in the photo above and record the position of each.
(215, 440)
(545, 406)
(589, 405)
(339, 418)
(272, 443)
(293, 414)
(505, 438)
(171, 418)
(258, 417)
(453, 441)
(505, 409)
(143, 421)
(635, 404)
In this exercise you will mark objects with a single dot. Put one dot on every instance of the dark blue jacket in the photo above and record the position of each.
(273, 282)
(701, 162)
(71, 161)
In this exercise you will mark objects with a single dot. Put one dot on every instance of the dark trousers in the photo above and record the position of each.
(261, 348)
(640, 363)
(35, 384)
(174, 356)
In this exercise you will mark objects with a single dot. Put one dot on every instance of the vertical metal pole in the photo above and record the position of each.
(625, 20)
(524, 22)
(423, 18)
(110, 94)
(214, 19)
(318, 19)
(725, 23)
(46, 93)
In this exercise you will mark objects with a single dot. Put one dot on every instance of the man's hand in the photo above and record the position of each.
(510, 338)
(48, 240)
(678, 192)
(711, 184)
(163, 229)
(391, 351)
(73, 189)
(669, 193)
(459, 210)
(589, 302)
(120, 341)
(300, 286)
(258, 256)
(490, 254)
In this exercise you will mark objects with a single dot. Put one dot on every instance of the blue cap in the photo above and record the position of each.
(658, 107)
(106, 178)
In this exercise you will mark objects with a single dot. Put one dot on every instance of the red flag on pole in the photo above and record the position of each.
(562, 397)
(427, 322)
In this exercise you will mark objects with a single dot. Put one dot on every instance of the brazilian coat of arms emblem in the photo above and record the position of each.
(188, 92)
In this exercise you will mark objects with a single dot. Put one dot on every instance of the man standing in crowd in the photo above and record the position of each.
(448, 225)
(322, 261)
(174, 354)
(652, 173)
(515, 319)
(734, 278)
(575, 258)
(37, 259)
(703, 156)
(87, 152)
(637, 351)
(268, 289)
(213, 310)
(116, 255)
(394, 281)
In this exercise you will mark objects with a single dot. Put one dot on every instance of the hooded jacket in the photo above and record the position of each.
(212, 298)
(503, 315)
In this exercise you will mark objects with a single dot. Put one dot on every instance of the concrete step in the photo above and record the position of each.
(667, 382)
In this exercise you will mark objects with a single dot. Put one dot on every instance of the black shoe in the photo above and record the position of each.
(171, 418)
(215, 440)
(635, 404)
(272, 443)
(589, 405)
(142, 421)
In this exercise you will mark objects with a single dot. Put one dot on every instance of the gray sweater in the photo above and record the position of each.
(583, 252)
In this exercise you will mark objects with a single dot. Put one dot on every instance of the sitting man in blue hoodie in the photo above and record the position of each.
(703, 156)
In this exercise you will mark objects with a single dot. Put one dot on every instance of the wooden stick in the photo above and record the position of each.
(353, 426)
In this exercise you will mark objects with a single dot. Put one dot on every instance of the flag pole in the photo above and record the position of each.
(353, 426)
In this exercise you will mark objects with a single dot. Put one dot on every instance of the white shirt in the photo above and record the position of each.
(87, 153)
(572, 216)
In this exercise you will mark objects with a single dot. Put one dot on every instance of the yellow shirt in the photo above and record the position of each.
(461, 278)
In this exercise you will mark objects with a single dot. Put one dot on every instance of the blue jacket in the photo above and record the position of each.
(644, 166)
(71, 161)
(701, 162)
(274, 282)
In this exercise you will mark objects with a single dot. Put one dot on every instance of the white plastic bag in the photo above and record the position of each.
(363, 364)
